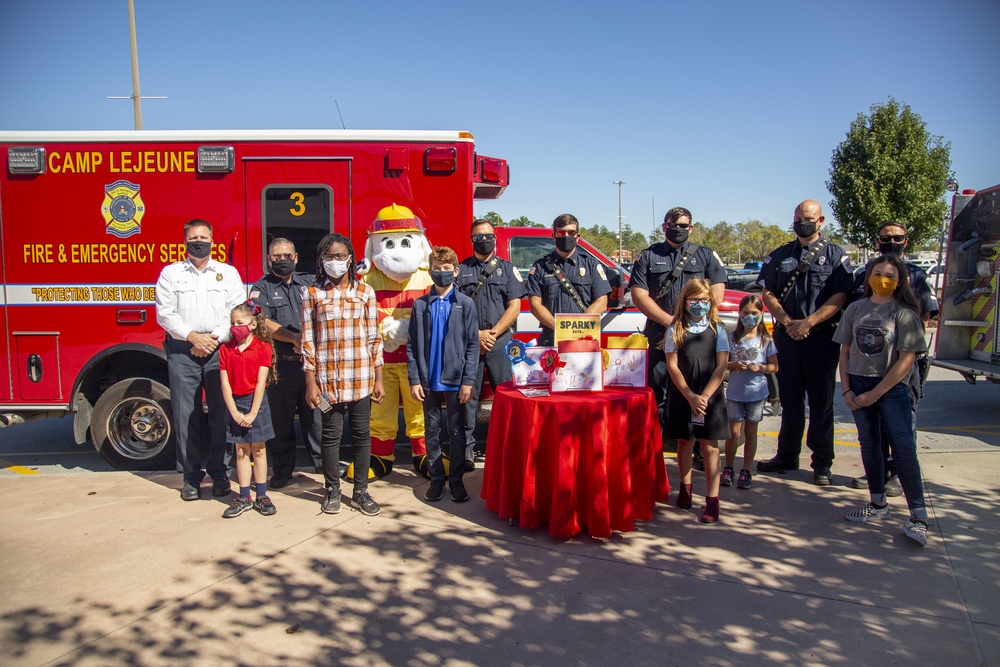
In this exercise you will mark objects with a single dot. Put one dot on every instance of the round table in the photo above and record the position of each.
(575, 460)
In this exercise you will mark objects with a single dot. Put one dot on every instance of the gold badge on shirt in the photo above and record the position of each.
(583, 271)
(218, 277)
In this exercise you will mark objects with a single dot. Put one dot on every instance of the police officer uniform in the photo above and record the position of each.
(282, 303)
(502, 286)
(583, 272)
(650, 272)
(808, 366)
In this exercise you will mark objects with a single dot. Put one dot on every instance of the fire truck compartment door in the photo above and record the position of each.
(302, 200)
(6, 390)
(36, 362)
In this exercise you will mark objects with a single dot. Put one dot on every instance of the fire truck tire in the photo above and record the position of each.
(132, 426)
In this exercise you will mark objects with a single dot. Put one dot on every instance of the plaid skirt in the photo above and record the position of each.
(261, 430)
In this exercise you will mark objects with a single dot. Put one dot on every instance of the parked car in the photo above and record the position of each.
(753, 267)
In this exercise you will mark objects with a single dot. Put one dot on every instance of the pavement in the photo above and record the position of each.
(112, 568)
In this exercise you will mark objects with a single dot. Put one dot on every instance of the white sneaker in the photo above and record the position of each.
(868, 513)
(916, 531)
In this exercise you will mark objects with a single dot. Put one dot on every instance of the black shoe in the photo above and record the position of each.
(822, 477)
(221, 487)
(893, 489)
(280, 480)
(469, 465)
(776, 465)
(480, 457)
(318, 469)
(331, 504)
(364, 503)
(264, 505)
(342, 469)
(237, 507)
(190, 492)
(458, 492)
(434, 491)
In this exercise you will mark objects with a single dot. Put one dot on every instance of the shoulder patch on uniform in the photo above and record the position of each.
(767, 260)
(845, 260)
(254, 294)
(600, 272)
(716, 255)
(531, 271)
(517, 272)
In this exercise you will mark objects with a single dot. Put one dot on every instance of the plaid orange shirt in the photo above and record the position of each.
(343, 347)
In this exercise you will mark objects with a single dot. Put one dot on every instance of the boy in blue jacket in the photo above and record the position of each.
(442, 354)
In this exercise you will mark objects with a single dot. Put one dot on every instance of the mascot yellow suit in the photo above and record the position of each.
(395, 266)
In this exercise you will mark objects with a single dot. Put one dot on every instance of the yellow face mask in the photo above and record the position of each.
(881, 285)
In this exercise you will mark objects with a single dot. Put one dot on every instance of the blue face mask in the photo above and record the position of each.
(699, 310)
(750, 321)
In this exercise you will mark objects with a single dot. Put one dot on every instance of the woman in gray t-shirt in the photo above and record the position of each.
(879, 337)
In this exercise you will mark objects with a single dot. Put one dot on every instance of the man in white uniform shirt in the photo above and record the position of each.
(193, 300)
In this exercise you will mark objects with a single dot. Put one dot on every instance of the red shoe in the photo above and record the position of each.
(711, 514)
(684, 497)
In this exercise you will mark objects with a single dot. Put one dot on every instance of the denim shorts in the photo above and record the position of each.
(746, 411)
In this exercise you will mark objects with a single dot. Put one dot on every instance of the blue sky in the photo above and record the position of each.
(731, 109)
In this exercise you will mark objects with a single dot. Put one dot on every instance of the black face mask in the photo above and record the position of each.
(677, 235)
(282, 267)
(199, 249)
(484, 247)
(442, 278)
(804, 228)
(891, 248)
(566, 243)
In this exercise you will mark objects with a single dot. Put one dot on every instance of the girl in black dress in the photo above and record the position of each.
(697, 349)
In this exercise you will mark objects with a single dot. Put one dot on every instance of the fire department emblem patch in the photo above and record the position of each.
(122, 209)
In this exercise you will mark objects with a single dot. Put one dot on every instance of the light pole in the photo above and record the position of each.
(620, 184)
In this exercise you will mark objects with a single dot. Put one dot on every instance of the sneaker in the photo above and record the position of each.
(893, 489)
(727, 476)
(434, 491)
(745, 480)
(364, 503)
(868, 513)
(237, 507)
(264, 505)
(916, 531)
(459, 494)
(331, 504)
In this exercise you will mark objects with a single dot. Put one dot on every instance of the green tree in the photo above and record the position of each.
(523, 222)
(756, 239)
(494, 219)
(889, 168)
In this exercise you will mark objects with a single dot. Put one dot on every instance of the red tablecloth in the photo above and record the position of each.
(575, 460)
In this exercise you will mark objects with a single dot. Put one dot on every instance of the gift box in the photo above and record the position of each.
(626, 361)
(531, 374)
(580, 366)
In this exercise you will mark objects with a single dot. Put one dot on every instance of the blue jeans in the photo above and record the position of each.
(456, 434)
(892, 412)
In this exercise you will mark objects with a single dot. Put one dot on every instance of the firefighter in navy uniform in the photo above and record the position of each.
(565, 281)
(806, 285)
(279, 294)
(655, 287)
(891, 239)
(496, 288)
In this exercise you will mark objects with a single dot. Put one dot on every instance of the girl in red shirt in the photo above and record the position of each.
(247, 365)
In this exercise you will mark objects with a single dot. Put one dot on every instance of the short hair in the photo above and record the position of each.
(891, 223)
(676, 213)
(481, 221)
(191, 224)
(565, 220)
(279, 241)
(442, 254)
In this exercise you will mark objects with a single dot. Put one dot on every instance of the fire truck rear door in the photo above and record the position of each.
(298, 199)
(5, 379)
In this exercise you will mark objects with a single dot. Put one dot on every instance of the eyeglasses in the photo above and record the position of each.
(483, 237)
(285, 255)
(678, 226)
(705, 300)
(892, 238)
(340, 257)
(567, 232)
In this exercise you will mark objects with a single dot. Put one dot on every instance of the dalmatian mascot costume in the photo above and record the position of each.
(395, 266)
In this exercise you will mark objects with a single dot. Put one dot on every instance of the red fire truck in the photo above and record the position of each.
(88, 220)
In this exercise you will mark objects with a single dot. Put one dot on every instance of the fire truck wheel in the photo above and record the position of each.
(132, 427)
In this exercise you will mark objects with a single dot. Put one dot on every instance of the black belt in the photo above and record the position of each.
(289, 357)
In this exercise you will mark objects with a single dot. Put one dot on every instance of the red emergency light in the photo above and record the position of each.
(440, 160)
(492, 170)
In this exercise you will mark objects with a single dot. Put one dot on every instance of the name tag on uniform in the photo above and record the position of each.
(789, 264)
